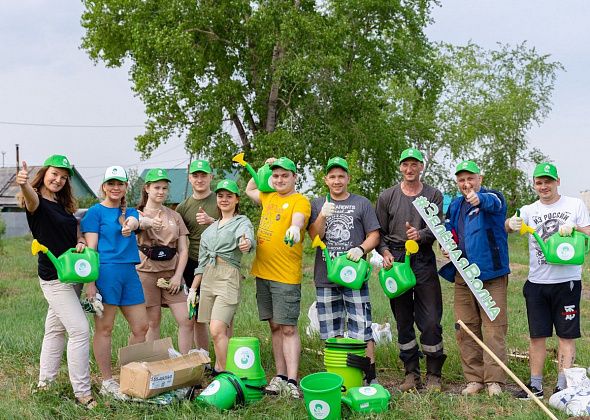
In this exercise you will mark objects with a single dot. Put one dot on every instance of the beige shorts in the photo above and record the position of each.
(156, 296)
(220, 293)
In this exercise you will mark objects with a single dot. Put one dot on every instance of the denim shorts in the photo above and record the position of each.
(119, 285)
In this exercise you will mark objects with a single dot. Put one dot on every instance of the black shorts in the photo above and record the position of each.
(189, 273)
(549, 305)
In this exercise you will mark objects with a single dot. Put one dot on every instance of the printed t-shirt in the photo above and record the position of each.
(113, 247)
(55, 228)
(353, 219)
(188, 210)
(274, 259)
(172, 229)
(546, 219)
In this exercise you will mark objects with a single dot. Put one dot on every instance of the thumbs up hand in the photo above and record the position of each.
(203, 218)
(157, 222)
(472, 197)
(130, 224)
(22, 177)
(244, 244)
(412, 232)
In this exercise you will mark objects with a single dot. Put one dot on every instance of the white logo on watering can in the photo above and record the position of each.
(82, 268)
(348, 274)
(390, 285)
(367, 391)
(565, 251)
(319, 409)
(212, 388)
(269, 182)
(244, 358)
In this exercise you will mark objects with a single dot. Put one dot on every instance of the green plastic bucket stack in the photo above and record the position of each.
(224, 392)
(335, 355)
(322, 395)
(243, 359)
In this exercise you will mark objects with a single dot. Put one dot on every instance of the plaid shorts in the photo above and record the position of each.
(336, 303)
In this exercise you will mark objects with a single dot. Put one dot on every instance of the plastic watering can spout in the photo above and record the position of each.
(318, 242)
(36, 247)
(262, 178)
(411, 248)
(239, 158)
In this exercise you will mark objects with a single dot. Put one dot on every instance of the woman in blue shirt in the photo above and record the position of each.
(109, 227)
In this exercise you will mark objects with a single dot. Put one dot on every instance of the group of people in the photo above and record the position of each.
(200, 245)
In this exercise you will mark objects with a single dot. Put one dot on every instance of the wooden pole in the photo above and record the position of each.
(508, 371)
(17, 159)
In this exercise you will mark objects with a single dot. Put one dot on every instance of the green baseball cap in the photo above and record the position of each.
(411, 153)
(59, 161)
(545, 169)
(115, 172)
(337, 161)
(228, 185)
(468, 166)
(200, 166)
(157, 174)
(285, 163)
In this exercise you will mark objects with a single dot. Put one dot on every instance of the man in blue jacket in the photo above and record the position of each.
(477, 222)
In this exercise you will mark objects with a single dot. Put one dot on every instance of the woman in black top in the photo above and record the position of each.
(49, 204)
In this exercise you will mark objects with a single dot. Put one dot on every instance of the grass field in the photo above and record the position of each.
(23, 309)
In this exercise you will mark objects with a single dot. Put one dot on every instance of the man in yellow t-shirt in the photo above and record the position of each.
(277, 268)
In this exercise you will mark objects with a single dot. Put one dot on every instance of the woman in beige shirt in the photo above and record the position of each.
(164, 252)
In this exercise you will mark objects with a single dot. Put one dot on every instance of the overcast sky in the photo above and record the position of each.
(46, 79)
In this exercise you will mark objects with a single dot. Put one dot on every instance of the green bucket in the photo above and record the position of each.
(243, 357)
(322, 395)
(254, 390)
(352, 377)
(224, 392)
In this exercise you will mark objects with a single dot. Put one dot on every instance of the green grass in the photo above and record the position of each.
(22, 315)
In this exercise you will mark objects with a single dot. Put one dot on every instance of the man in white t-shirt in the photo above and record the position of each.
(552, 292)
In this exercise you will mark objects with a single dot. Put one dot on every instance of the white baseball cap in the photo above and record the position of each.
(115, 172)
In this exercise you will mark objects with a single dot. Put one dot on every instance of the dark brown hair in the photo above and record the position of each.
(65, 197)
(236, 210)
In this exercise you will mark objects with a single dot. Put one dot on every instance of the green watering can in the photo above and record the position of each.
(262, 178)
(399, 278)
(561, 250)
(367, 399)
(343, 271)
(72, 266)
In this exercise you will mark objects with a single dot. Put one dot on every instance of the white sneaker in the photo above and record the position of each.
(110, 388)
(292, 391)
(276, 386)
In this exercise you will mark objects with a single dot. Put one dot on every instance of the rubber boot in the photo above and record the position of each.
(434, 372)
(412, 380)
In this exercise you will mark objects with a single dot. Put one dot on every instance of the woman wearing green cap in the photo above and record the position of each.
(164, 252)
(218, 273)
(50, 207)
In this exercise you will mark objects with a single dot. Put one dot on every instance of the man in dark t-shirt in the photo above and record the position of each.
(422, 305)
(347, 224)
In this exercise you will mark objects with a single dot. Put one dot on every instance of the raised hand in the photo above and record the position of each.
(328, 209)
(412, 232)
(515, 223)
(472, 197)
(157, 222)
(22, 177)
(203, 218)
(244, 244)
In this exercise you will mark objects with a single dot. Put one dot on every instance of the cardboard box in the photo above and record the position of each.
(147, 370)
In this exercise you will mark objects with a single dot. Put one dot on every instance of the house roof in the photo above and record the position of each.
(9, 189)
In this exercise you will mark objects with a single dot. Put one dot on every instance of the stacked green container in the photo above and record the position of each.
(243, 359)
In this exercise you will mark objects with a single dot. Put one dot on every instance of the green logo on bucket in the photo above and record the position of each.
(244, 358)
(212, 388)
(565, 251)
(319, 409)
(391, 285)
(367, 391)
(82, 268)
(348, 274)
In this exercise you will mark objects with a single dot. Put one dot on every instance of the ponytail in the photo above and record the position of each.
(123, 208)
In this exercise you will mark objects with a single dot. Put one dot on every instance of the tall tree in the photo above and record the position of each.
(478, 104)
(300, 78)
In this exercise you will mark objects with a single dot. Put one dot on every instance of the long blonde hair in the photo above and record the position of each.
(122, 205)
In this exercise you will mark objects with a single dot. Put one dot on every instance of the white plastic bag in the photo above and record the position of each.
(381, 332)
(575, 399)
(314, 324)
(376, 259)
